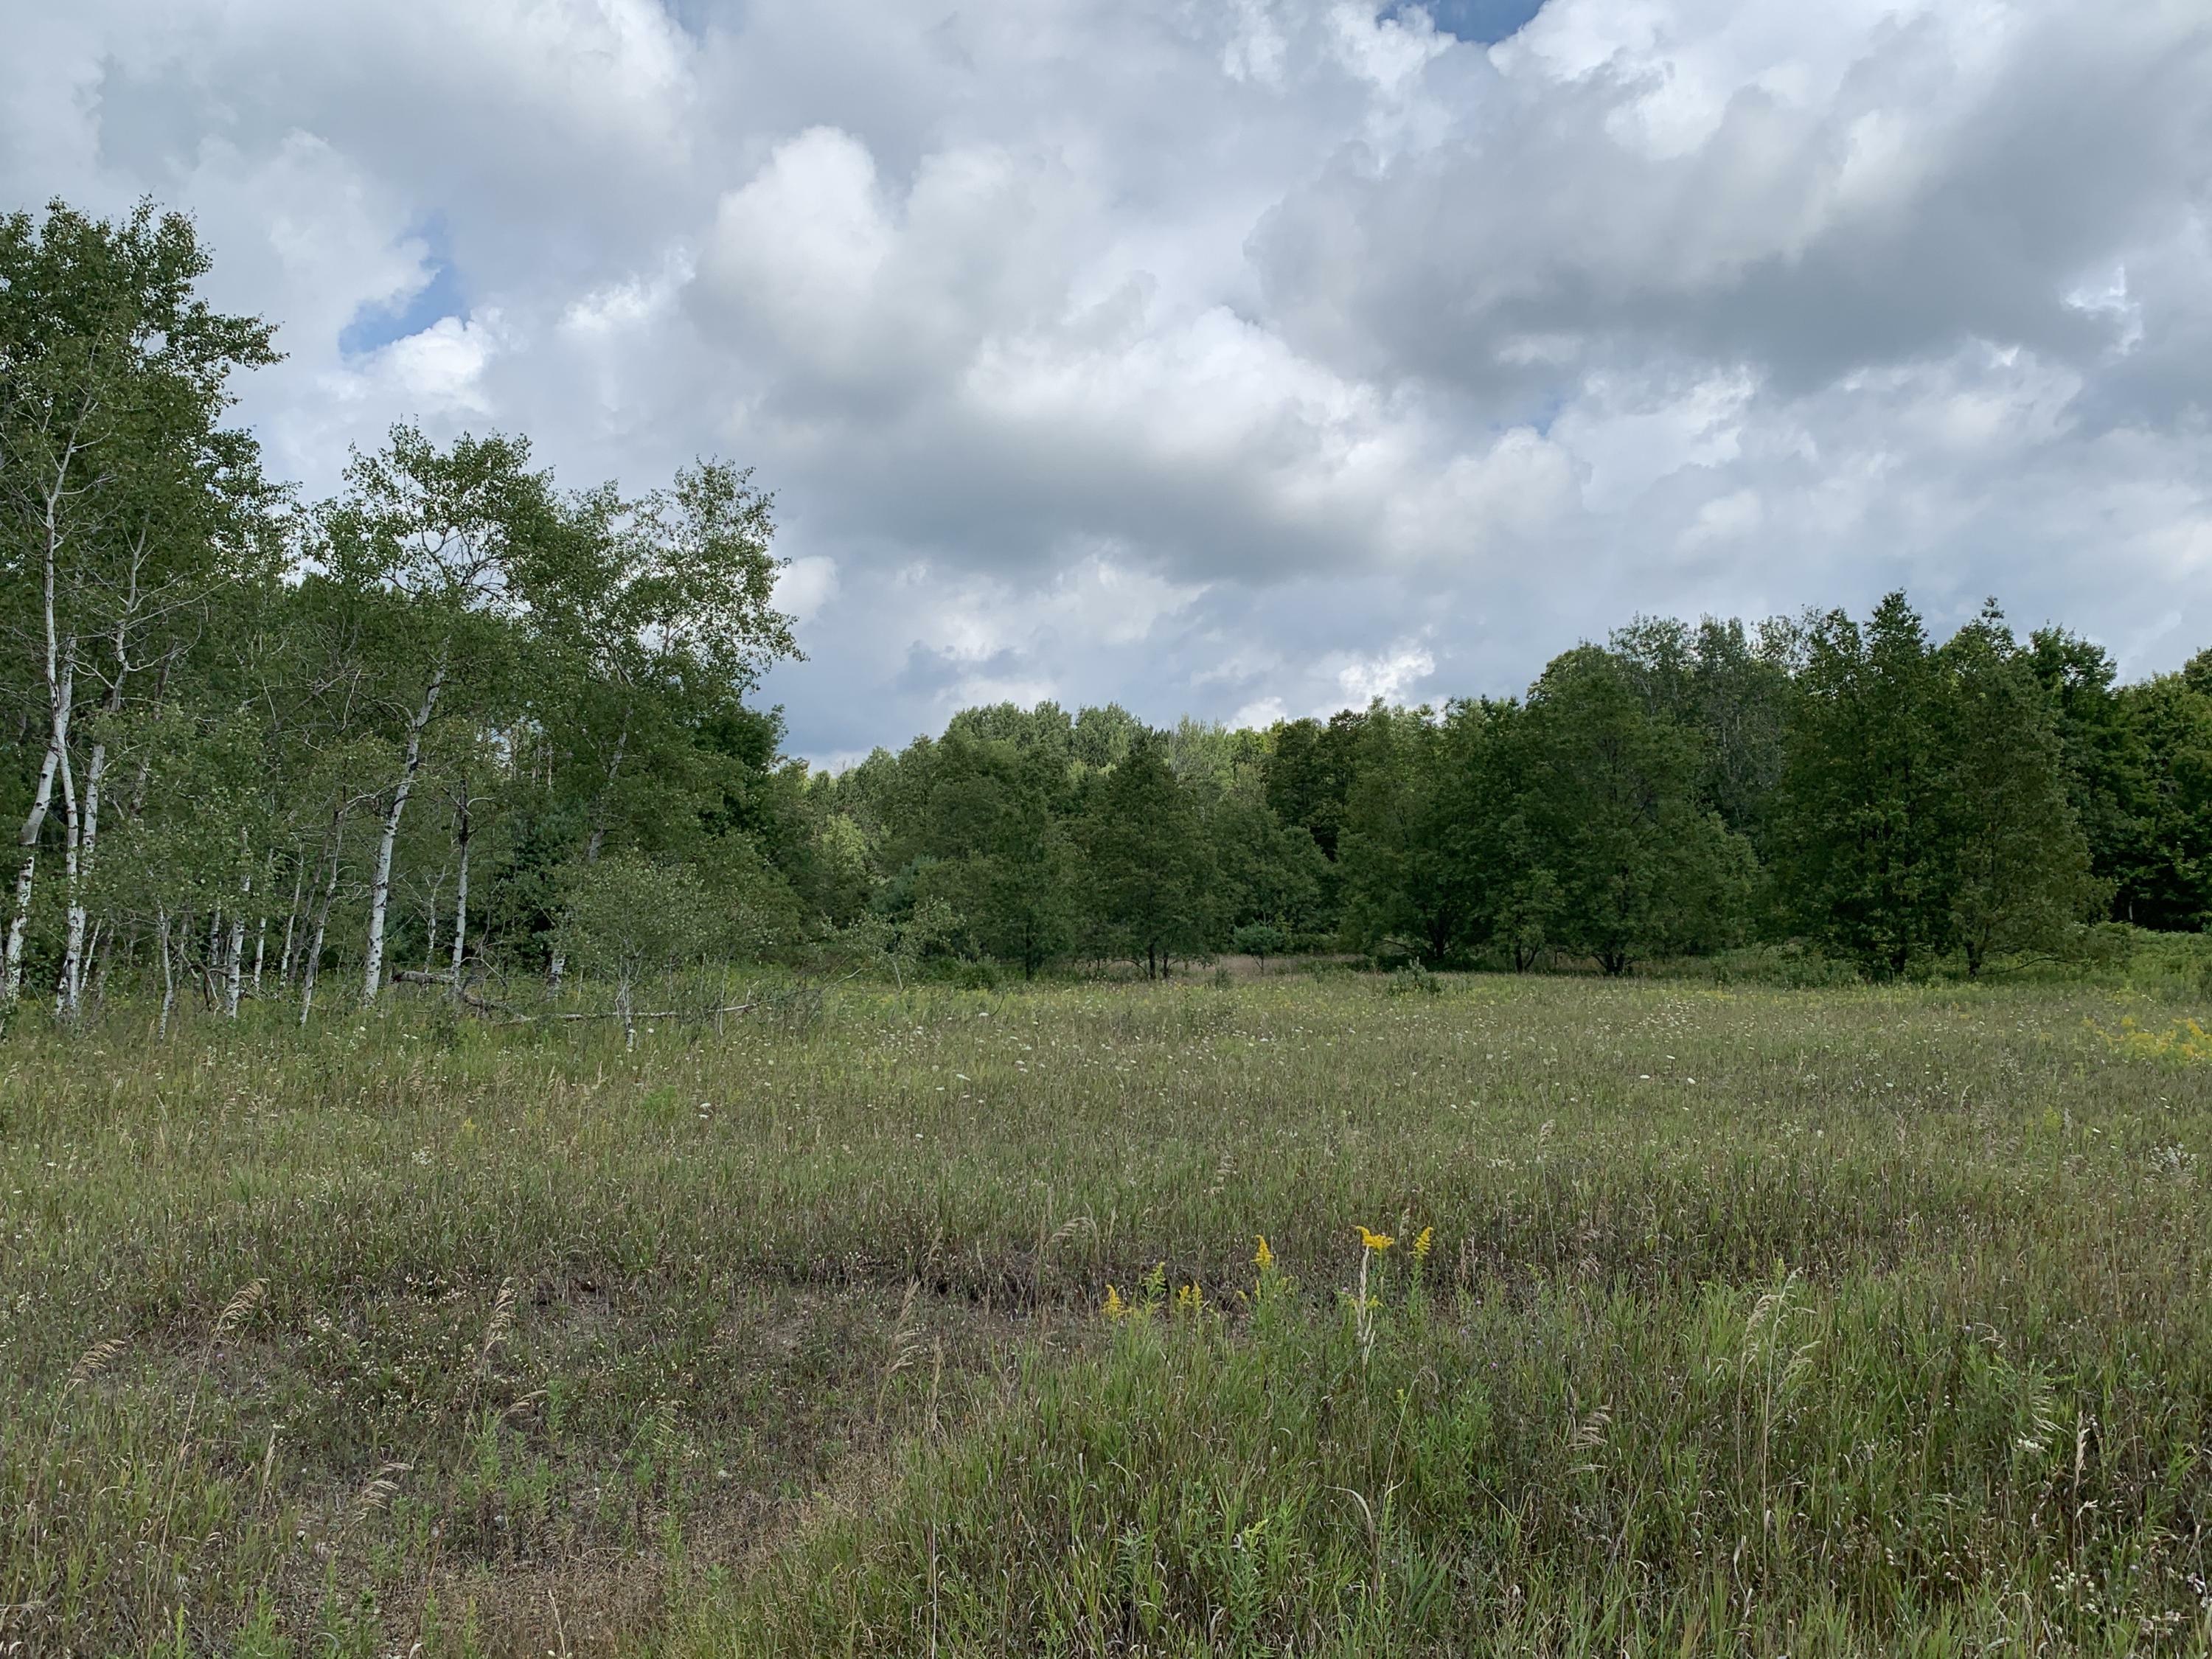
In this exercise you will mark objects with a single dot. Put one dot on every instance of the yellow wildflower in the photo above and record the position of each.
(1263, 1258)
(1114, 1307)
(1189, 1298)
(2185, 1040)
(1377, 1241)
(1427, 1237)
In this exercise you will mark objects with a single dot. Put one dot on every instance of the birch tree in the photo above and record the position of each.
(458, 537)
(120, 495)
(663, 610)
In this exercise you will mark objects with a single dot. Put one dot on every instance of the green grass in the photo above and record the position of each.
(1841, 1320)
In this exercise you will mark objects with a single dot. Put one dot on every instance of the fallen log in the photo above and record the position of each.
(482, 1005)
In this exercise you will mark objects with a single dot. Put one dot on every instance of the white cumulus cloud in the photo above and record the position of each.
(1240, 359)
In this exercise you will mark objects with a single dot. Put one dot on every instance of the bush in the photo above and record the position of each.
(1794, 964)
(1260, 939)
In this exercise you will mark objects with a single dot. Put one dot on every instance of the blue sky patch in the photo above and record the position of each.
(375, 325)
(1481, 21)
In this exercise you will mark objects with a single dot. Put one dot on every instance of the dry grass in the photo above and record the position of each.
(563, 1346)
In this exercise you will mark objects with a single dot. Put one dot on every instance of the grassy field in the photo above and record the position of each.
(1714, 1321)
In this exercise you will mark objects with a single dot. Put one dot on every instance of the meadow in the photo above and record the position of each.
(1592, 1317)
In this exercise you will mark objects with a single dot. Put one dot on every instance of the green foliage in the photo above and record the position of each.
(1410, 846)
(1638, 867)
(1729, 685)
(1266, 873)
(2020, 880)
(2169, 883)
(2107, 766)
(628, 918)
(1260, 939)
(1858, 845)
(1150, 880)
(1925, 808)
(1310, 772)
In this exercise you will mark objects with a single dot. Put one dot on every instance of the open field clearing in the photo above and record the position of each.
(1713, 1322)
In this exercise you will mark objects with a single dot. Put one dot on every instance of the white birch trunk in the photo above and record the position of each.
(234, 968)
(84, 844)
(60, 666)
(462, 825)
(168, 975)
(19, 920)
(308, 974)
(84, 826)
(379, 891)
(72, 866)
(101, 953)
(291, 921)
(26, 839)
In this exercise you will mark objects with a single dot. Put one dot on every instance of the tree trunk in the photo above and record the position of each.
(169, 973)
(60, 674)
(86, 838)
(595, 841)
(234, 960)
(84, 829)
(379, 891)
(291, 921)
(72, 868)
(308, 974)
(103, 957)
(463, 824)
(26, 839)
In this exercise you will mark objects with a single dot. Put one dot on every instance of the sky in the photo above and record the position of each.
(1236, 358)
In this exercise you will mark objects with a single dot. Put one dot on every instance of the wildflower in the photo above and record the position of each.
(1189, 1298)
(1114, 1308)
(1377, 1242)
(1263, 1258)
(1422, 1241)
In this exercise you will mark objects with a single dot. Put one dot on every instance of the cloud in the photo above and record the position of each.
(1647, 182)
(803, 586)
(1391, 677)
(1238, 359)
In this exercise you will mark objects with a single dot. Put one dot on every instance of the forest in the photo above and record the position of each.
(462, 724)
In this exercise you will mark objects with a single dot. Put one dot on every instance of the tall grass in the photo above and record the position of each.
(1863, 1466)
(786, 1339)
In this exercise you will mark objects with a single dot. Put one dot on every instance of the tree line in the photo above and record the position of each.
(458, 720)
(1851, 786)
